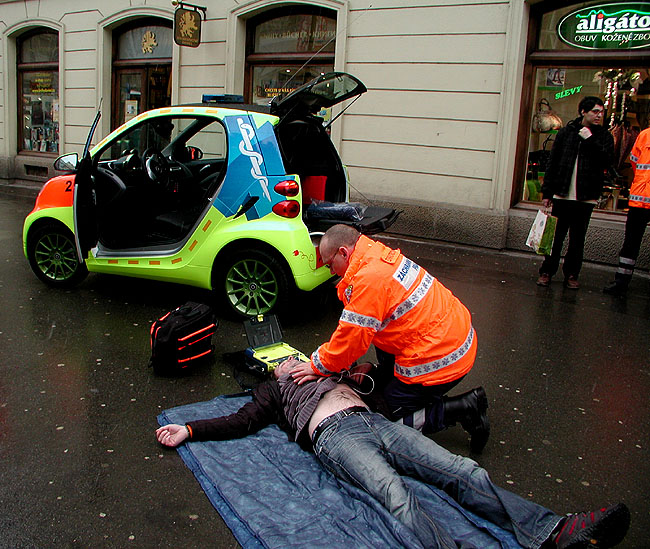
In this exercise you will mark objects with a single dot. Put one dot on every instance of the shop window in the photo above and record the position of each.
(285, 49)
(142, 61)
(38, 92)
(564, 70)
(557, 93)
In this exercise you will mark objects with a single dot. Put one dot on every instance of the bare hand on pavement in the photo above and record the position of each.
(172, 435)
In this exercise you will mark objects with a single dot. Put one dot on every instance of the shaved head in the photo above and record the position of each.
(338, 236)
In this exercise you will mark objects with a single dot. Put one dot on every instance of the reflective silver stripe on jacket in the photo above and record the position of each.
(634, 158)
(315, 359)
(640, 198)
(411, 301)
(423, 369)
(364, 321)
(643, 166)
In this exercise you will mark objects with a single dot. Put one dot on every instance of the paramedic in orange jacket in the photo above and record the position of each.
(423, 335)
(638, 215)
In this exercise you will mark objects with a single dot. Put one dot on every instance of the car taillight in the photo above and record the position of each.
(287, 188)
(287, 208)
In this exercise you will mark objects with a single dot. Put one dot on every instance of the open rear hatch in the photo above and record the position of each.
(308, 151)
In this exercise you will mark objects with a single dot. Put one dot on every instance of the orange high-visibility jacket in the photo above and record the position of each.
(394, 303)
(640, 157)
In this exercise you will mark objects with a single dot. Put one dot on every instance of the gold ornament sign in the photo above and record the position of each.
(187, 27)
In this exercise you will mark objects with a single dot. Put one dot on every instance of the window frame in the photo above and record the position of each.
(293, 59)
(23, 68)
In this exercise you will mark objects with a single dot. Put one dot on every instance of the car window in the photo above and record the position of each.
(211, 140)
(154, 133)
(204, 133)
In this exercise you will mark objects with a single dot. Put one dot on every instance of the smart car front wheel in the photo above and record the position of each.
(52, 255)
(253, 283)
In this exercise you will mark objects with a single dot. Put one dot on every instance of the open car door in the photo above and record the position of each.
(324, 91)
(85, 204)
(308, 151)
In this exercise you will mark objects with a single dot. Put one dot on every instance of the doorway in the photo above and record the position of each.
(142, 66)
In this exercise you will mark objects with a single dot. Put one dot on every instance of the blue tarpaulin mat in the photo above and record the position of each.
(271, 493)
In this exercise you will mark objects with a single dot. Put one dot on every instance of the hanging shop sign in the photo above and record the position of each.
(621, 26)
(187, 24)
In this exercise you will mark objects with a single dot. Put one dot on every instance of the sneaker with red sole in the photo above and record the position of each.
(598, 529)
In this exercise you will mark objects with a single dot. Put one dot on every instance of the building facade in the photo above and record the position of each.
(463, 97)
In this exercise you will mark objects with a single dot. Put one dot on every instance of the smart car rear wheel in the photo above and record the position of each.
(253, 283)
(53, 256)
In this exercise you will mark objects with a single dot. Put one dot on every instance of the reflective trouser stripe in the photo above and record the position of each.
(415, 420)
(625, 266)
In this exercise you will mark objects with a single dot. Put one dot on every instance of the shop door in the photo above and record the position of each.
(140, 89)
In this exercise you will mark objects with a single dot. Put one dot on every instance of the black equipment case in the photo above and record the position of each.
(182, 337)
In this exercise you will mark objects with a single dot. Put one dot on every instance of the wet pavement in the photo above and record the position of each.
(567, 374)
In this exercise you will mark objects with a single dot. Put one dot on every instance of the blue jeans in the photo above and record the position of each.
(373, 453)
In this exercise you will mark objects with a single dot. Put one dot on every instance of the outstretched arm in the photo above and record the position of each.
(264, 409)
(172, 434)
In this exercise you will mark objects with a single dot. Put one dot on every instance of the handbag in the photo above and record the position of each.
(541, 235)
(182, 337)
(539, 159)
(546, 119)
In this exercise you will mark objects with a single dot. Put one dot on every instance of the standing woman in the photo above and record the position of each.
(573, 182)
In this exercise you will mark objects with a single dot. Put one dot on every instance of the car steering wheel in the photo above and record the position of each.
(156, 166)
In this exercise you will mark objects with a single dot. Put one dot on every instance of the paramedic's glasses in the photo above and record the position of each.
(328, 264)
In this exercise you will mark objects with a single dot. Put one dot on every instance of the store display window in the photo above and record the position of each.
(592, 32)
(286, 50)
(557, 93)
(38, 91)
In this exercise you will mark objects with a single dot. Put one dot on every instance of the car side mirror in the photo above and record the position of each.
(67, 162)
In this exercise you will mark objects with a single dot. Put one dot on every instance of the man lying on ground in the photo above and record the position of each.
(365, 449)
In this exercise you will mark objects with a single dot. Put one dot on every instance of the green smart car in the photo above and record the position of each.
(222, 196)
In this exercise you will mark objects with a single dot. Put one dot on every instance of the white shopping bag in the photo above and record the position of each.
(540, 237)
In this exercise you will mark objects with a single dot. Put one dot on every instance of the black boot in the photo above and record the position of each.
(470, 410)
(619, 286)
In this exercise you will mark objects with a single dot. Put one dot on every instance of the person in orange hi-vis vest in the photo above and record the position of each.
(422, 334)
(638, 215)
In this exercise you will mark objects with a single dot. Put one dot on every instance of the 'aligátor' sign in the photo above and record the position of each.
(608, 26)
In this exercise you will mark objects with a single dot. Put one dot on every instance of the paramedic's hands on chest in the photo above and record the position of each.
(302, 369)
